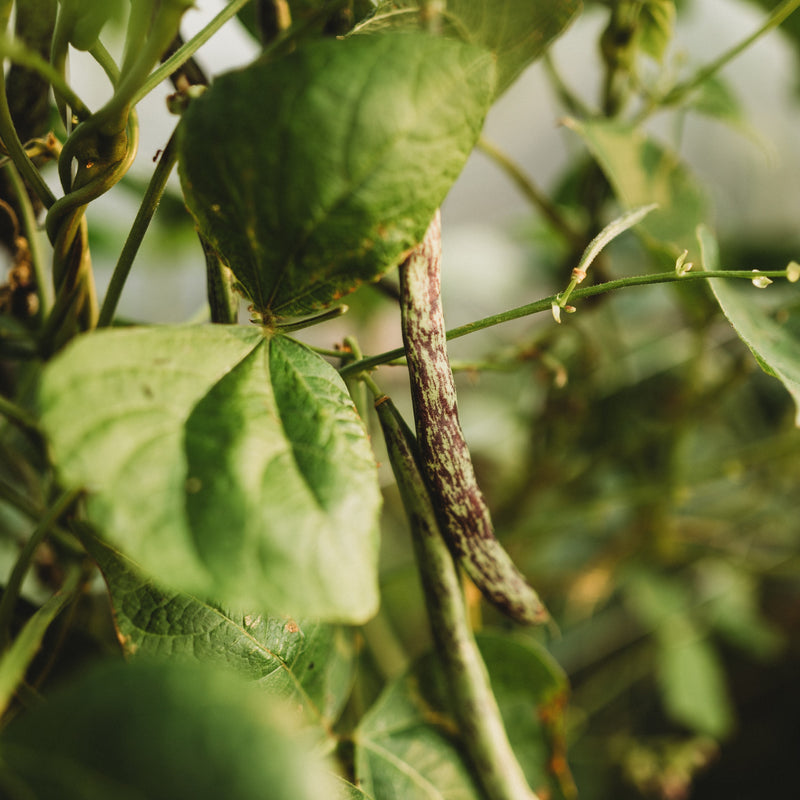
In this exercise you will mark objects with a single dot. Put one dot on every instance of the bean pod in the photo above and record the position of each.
(463, 514)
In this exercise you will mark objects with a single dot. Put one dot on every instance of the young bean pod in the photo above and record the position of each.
(463, 513)
(471, 698)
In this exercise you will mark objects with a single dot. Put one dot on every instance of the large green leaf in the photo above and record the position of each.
(407, 746)
(225, 463)
(307, 662)
(776, 348)
(319, 171)
(159, 731)
(642, 171)
(516, 32)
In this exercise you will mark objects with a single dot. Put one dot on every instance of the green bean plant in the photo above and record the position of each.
(210, 588)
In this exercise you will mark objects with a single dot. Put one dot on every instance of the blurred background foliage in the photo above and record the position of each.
(642, 470)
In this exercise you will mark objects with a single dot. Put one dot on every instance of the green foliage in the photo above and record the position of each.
(405, 746)
(159, 730)
(516, 32)
(330, 183)
(308, 663)
(774, 347)
(642, 171)
(191, 515)
(255, 440)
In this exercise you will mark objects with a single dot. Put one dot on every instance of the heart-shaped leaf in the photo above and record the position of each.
(319, 171)
(160, 731)
(307, 662)
(225, 463)
(516, 32)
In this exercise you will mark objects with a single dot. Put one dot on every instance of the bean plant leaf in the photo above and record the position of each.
(159, 731)
(641, 171)
(692, 679)
(308, 662)
(225, 463)
(340, 155)
(516, 32)
(776, 348)
(656, 26)
(407, 744)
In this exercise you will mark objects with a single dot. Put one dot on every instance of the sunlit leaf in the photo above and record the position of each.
(225, 463)
(159, 731)
(330, 179)
(305, 661)
(517, 32)
(776, 348)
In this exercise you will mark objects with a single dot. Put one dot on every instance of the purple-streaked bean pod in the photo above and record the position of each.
(463, 514)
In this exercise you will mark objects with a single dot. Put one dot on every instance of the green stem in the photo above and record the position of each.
(143, 218)
(299, 325)
(776, 17)
(538, 198)
(17, 52)
(547, 303)
(16, 660)
(31, 230)
(19, 500)
(110, 119)
(16, 151)
(472, 701)
(11, 592)
(184, 53)
(574, 105)
(19, 416)
(106, 62)
(608, 234)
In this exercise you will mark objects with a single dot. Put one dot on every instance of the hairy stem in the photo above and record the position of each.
(546, 304)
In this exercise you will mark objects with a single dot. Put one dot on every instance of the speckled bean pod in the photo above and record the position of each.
(463, 514)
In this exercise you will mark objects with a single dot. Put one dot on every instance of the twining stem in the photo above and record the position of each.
(187, 50)
(15, 149)
(472, 700)
(144, 215)
(14, 582)
(30, 227)
(546, 304)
